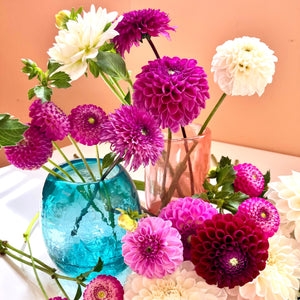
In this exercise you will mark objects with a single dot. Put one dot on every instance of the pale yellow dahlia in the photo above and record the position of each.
(243, 66)
(82, 40)
(183, 284)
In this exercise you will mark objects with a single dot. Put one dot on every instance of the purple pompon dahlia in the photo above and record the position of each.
(135, 135)
(104, 287)
(229, 250)
(32, 152)
(263, 213)
(173, 90)
(139, 24)
(52, 120)
(154, 249)
(86, 123)
(186, 214)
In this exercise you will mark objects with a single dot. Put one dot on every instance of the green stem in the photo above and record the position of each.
(27, 232)
(53, 173)
(212, 113)
(61, 169)
(152, 46)
(61, 288)
(98, 161)
(115, 81)
(115, 162)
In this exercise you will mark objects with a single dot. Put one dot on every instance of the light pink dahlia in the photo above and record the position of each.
(154, 249)
(186, 214)
(173, 90)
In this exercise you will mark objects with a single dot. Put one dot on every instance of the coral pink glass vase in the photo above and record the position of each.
(181, 170)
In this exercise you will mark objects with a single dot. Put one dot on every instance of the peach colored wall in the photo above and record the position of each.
(269, 122)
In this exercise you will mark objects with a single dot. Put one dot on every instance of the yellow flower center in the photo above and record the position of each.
(101, 295)
(91, 120)
(263, 215)
(233, 261)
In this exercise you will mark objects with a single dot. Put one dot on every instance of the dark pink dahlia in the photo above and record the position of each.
(249, 180)
(229, 250)
(32, 152)
(186, 214)
(52, 120)
(173, 90)
(139, 24)
(104, 287)
(263, 213)
(86, 123)
(134, 135)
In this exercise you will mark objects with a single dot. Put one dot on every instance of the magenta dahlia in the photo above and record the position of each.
(229, 250)
(52, 120)
(154, 249)
(139, 24)
(263, 213)
(104, 287)
(173, 90)
(186, 214)
(32, 152)
(134, 135)
(86, 123)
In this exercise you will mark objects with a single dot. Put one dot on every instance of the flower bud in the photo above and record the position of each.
(62, 18)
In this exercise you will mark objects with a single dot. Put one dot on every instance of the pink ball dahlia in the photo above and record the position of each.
(229, 250)
(32, 152)
(86, 123)
(104, 287)
(263, 213)
(249, 180)
(139, 24)
(154, 249)
(52, 120)
(173, 90)
(186, 214)
(134, 135)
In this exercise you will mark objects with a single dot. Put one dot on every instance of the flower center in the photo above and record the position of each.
(148, 249)
(233, 261)
(263, 215)
(171, 72)
(101, 295)
(91, 120)
(144, 131)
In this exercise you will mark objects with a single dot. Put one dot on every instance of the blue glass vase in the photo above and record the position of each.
(80, 220)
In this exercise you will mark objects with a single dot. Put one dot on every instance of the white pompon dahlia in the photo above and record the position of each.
(183, 284)
(285, 195)
(82, 40)
(243, 66)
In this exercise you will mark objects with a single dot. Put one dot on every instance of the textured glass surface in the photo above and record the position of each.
(80, 220)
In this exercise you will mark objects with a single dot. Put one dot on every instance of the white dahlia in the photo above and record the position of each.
(243, 66)
(82, 40)
(183, 284)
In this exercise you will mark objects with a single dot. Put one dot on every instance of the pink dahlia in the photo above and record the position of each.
(249, 180)
(186, 214)
(52, 120)
(154, 249)
(173, 90)
(86, 123)
(134, 135)
(263, 213)
(229, 250)
(139, 24)
(104, 287)
(32, 152)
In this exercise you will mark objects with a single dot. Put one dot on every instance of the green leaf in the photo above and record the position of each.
(267, 178)
(31, 93)
(108, 47)
(30, 68)
(226, 175)
(60, 80)
(108, 159)
(78, 293)
(52, 66)
(224, 161)
(128, 98)
(43, 92)
(94, 69)
(140, 185)
(97, 268)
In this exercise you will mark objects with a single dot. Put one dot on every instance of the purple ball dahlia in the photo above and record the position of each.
(154, 249)
(139, 24)
(52, 120)
(173, 90)
(86, 123)
(229, 250)
(32, 152)
(104, 287)
(186, 214)
(134, 135)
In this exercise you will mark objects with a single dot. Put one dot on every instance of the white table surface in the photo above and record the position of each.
(20, 195)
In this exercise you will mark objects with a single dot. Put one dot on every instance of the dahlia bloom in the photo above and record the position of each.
(134, 135)
(52, 120)
(243, 66)
(82, 40)
(154, 249)
(104, 287)
(229, 250)
(32, 152)
(173, 90)
(186, 214)
(285, 195)
(137, 24)
(86, 123)
(184, 283)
